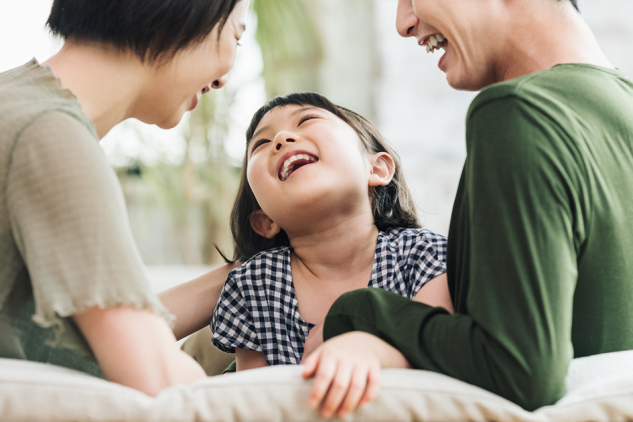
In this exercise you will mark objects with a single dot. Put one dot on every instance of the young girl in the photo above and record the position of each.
(322, 209)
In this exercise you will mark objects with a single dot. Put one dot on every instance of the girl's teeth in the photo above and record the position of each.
(433, 41)
(286, 167)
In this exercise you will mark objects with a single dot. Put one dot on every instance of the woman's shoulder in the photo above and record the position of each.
(31, 91)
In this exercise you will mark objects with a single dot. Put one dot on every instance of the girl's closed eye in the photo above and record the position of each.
(258, 144)
(308, 117)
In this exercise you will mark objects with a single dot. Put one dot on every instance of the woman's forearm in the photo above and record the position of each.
(193, 302)
(136, 348)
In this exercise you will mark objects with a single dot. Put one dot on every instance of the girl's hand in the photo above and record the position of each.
(346, 371)
(313, 341)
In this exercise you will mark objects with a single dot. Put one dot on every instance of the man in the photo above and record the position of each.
(540, 231)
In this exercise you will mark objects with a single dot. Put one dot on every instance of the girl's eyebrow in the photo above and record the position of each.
(300, 110)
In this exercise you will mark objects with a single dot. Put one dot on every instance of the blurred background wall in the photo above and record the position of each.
(180, 184)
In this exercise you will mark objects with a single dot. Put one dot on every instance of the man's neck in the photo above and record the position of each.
(540, 35)
(105, 81)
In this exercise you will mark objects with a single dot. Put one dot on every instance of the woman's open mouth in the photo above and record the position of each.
(293, 163)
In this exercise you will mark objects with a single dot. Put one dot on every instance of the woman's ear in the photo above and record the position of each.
(382, 169)
(263, 225)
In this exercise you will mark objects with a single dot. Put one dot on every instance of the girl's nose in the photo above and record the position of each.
(283, 138)
(406, 20)
(219, 83)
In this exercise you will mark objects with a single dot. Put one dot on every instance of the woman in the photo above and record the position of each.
(73, 290)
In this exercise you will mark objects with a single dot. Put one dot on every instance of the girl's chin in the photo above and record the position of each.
(194, 103)
(172, 121)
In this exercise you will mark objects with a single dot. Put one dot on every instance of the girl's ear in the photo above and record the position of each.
(263, 225)
(382, 169)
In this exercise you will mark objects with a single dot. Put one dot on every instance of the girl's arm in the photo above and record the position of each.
(249, 359)
(435, 293)
(193, 302)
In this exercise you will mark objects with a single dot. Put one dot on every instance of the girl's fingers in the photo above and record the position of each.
(338, 390)
(373, 386)
(355, 392)
(311, 363)
(322, 380)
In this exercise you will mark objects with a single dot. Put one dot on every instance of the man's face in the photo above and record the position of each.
(464, 29)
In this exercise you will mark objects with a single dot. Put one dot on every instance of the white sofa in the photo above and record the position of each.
(600, 389)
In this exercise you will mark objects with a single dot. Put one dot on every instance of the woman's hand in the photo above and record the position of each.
(346, 371)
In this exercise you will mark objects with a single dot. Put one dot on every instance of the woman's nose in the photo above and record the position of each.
(219, 83)
(283, 138)
(406, 20)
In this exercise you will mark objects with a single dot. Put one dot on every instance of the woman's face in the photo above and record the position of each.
(469, 29)
(178, 84)
(306, 163)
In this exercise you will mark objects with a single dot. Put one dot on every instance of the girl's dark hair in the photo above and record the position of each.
(150, 29)
(392, 205)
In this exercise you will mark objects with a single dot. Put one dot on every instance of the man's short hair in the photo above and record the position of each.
(153, 30)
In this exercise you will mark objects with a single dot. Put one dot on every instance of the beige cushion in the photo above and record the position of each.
(33, 392)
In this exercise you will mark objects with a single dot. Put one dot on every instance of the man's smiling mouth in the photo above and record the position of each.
(294, 162)
(435, 42)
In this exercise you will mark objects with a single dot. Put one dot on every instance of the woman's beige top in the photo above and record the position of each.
(65, 241)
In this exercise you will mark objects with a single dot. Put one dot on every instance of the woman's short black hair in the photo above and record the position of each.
(392, 205)
(151, 29)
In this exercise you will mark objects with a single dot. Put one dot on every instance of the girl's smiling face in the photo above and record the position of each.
(303, 162)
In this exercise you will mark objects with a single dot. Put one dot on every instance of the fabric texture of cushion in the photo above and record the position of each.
(600, 389)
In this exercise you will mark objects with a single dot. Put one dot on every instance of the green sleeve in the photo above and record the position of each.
(511, 266)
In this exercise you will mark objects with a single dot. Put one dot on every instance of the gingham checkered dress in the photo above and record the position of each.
(258, 308)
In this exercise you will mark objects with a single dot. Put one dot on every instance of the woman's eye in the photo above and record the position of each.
(258, 144)
(306, 118)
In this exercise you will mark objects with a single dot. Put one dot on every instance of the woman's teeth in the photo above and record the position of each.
(435, 42)
(289, 165)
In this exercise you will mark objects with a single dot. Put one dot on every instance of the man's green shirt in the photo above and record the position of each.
(540, 248)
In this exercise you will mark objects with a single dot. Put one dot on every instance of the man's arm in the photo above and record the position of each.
(136, 348)
(512, 263)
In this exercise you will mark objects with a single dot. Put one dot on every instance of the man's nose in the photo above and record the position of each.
(406, 20)
(282, 138)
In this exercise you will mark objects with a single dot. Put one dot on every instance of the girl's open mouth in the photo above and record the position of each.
(294, 162)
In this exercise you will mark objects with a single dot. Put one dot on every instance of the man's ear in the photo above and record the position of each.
(382, 169)
(263, 225)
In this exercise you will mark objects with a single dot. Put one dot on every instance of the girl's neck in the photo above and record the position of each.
(342, 251)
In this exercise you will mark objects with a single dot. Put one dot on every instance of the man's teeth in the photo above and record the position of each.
(285, 170)
(435, 42)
